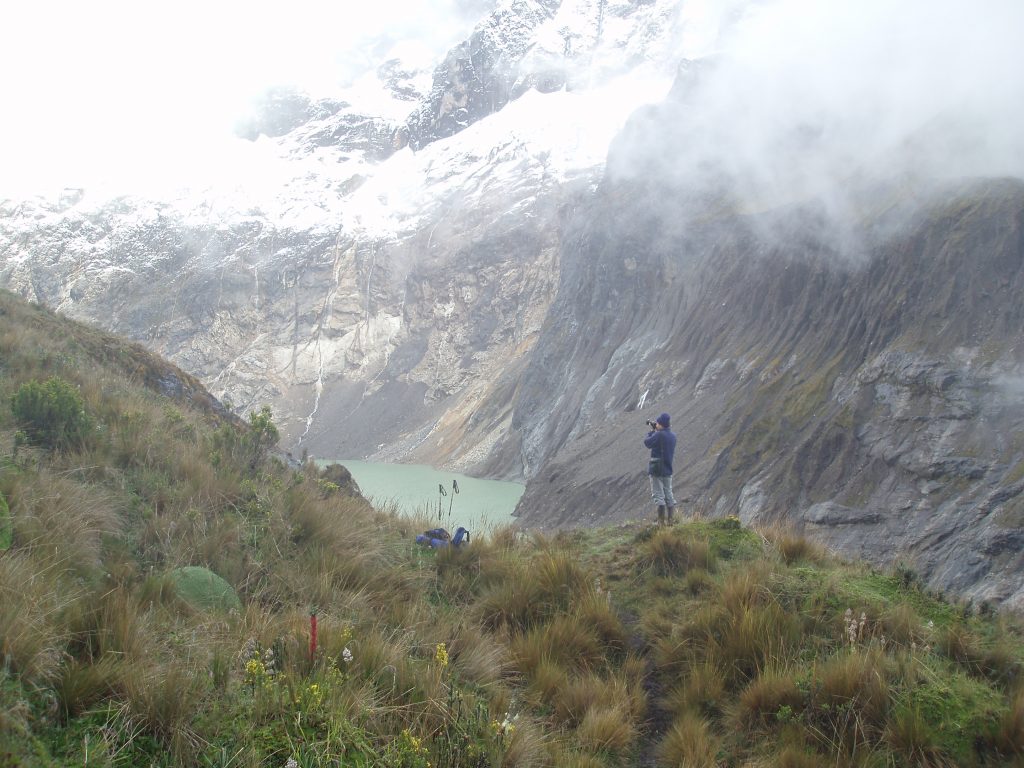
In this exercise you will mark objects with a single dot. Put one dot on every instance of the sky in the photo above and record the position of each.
(89, 88)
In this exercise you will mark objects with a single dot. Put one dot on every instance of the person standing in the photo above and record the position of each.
(662, 442)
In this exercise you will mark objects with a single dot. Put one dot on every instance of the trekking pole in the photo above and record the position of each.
(455, 489)
(440, 509)
(312, 635)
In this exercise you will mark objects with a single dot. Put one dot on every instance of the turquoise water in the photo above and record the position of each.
(413, 489)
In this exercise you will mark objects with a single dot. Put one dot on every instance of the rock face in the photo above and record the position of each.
(513, 299)
(863, 388)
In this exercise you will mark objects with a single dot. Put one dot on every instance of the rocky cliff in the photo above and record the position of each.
(857, 377)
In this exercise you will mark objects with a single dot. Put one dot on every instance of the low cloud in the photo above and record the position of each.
(805, 98)
(124, 91)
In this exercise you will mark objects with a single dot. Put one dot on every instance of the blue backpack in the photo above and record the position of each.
(439, 537)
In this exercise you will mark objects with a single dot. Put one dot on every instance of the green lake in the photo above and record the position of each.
(413, 489)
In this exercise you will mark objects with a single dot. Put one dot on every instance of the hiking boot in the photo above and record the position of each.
(661, 514)
(671, 515)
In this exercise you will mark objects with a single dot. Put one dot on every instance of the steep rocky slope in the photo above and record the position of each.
(857, 377)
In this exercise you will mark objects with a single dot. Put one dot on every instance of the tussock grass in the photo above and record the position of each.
(670, 551)
(607, 729)
(79, 685)
(796, 757)
(853, 698)
(914, 740)
(1007, 738)
(701, 691)
(591, 690)
(565, 640)
(792, 546)
(766, 696)
(63, 522)
(690, 742)
(561, 651)
(32, 633)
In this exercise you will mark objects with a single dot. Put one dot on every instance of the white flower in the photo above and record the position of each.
(347, 655)
(291, 763)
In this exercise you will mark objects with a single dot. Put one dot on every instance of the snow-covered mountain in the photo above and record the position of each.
(399, 239)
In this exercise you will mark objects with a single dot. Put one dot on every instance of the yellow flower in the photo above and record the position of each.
(441, 655)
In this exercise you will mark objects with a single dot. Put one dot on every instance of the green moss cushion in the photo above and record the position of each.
(203, 589)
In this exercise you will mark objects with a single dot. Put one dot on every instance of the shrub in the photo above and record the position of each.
(52, 413)
(263, 435)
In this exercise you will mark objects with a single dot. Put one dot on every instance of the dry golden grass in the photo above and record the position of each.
(853, 697)
(561, 580)
(476, 657)
(797, 757)
(956, 642)
(565, 640)
(79, 685)
(572, 701)
(670, 551)
(579, 760)
(902, 626)
(544, 683)
(607, 729)
(792, 546)
(515, 603)
(701, 691)
(33, 636)
(746, 588)
(161, 697)
(763, 698)
(1008, 736)
(595, 611)
(689, 742)
(63, 522)
(757, 639)
(527, 747)
(914, 741)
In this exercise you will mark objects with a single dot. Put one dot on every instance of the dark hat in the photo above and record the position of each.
(663, 420)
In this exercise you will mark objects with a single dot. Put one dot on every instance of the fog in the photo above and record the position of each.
(124, 93)
(808, 98)
(802, 97)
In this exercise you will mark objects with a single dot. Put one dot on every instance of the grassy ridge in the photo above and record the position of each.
(122, 643)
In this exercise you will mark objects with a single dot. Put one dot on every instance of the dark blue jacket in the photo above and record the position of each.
(663, 446)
